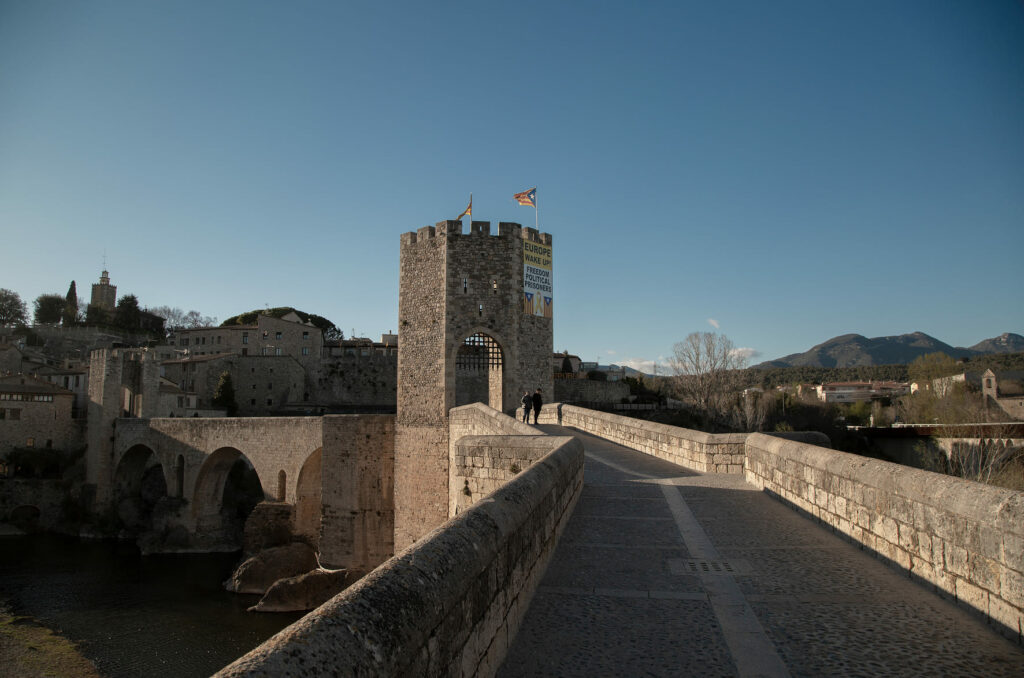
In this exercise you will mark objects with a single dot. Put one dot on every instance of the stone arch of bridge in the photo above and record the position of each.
(309, 497)
(139, 483)
(212, 479)
(480, 364)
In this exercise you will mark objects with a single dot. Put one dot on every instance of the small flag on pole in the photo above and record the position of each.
(468, 211)
(527, 197)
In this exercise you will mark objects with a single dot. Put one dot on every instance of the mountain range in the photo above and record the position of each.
(854, 350)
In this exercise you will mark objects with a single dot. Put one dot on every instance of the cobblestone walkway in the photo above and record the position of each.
(667, 572)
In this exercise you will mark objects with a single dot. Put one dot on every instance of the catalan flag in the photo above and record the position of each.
(527, 197)
(468, 211)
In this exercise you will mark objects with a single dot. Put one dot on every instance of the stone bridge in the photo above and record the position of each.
(331, 474)
(602, 545)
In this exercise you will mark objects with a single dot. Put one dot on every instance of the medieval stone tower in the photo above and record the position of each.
(123, 382)
(475, 324)
(104, 295)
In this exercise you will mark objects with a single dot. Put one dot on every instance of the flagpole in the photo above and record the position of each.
(536, 209)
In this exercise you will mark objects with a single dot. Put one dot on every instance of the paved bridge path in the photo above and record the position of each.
(667, 572)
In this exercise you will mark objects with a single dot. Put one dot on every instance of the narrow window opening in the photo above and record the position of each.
(494, 286)
(481, 309)
(465, 285)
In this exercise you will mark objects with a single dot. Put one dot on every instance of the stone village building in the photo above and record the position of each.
(37, 413)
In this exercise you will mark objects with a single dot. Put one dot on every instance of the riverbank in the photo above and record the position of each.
(133, 616)
(29, 650)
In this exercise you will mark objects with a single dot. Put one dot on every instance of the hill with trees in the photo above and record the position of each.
(855, 350)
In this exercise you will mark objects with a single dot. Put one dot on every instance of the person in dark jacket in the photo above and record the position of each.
(537, 402)
(527, 404)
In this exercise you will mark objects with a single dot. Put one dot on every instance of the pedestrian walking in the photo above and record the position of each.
(527, 404)
(537, 402)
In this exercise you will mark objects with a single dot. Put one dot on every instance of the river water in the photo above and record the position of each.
(158, 615)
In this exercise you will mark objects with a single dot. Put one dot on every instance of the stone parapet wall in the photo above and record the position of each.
(487, 449)
(695, 450)
(448, 605)
(964, 538)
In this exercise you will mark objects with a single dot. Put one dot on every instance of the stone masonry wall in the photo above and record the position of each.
(964, 538)
(358, 498)
(46, 495)
(356, 381)
(481, 466)
(43, 424)
(421, 426)
(450, 604)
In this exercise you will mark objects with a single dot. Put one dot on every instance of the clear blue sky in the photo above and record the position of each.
(786, 171)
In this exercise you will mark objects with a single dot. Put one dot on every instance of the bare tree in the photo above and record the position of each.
(706, 369)
(177, 319)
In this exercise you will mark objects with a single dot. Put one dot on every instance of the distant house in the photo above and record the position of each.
(363, 346)
(1005, 390)
(75, 379)
(269, 336)
(566, 366)
(859, 391)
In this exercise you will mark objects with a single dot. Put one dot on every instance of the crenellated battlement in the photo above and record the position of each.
(506, 229)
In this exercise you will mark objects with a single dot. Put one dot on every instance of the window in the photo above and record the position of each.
(245, 351)
(31, 442)
(253, 400)
(204, 341)
(270, 385)
(305, 336)
(270, 401)
(305, 350)
(3, 413)
(184, 341)
(218, 338)
(277, 335)
(265, 334)
(465, 285)
(277, 351)
(245, 337)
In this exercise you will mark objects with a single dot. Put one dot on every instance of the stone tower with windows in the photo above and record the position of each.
(466, 335)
